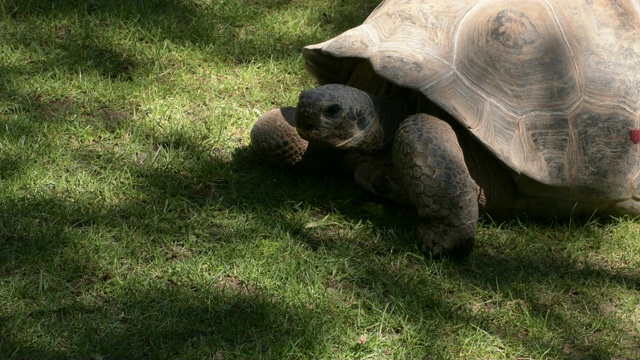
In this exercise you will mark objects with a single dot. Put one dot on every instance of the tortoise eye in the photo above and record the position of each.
(332, 110)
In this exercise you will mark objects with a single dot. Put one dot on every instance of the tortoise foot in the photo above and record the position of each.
(440, 240)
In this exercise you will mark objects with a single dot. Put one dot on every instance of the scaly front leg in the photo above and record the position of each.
(275, 139)
(433, 172)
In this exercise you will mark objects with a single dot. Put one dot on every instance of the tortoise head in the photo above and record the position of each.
(339, 116)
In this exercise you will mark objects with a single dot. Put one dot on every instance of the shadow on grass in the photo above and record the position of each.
(42, 234)
(559, 292)
(199, 322)
(167, 316)
(231, 31)
(43, 237)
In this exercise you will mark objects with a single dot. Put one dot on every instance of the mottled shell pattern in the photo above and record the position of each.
(551, 87)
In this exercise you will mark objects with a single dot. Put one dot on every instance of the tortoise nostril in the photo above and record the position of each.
(332, 110)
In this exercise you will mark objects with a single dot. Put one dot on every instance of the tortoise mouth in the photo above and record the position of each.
(328, 136)
(346, 137)
(341, 134)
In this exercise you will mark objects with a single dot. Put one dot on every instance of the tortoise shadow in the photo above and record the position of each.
(237, 317)
(524, 274)
(35, 230)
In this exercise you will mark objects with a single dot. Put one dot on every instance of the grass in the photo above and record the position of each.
(135, 222)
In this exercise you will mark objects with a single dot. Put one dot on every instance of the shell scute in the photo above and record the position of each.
(602, 157)
(518, 57)
(469, 103)
(513, 29)
(549, 141)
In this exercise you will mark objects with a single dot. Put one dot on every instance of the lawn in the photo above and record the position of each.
(135, 221)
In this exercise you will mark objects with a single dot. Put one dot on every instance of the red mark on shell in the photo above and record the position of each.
(634, 135)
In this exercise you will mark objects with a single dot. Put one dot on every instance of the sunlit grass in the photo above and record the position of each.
(135, 222)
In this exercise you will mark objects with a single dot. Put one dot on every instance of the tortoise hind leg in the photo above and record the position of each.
(433, 172)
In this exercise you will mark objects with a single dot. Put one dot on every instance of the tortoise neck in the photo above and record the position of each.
(390, 113)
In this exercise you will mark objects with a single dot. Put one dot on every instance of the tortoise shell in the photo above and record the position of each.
(550, 87)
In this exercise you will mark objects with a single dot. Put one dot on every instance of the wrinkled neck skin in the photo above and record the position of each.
(390, 113)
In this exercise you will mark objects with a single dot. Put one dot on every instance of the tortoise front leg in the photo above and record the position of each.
(433, 172)
(275, 139)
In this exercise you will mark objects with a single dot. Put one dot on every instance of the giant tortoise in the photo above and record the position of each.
(466, 107)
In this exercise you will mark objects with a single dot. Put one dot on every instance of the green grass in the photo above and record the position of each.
(135, 222)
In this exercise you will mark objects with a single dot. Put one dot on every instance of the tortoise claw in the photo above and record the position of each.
(440, 240)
